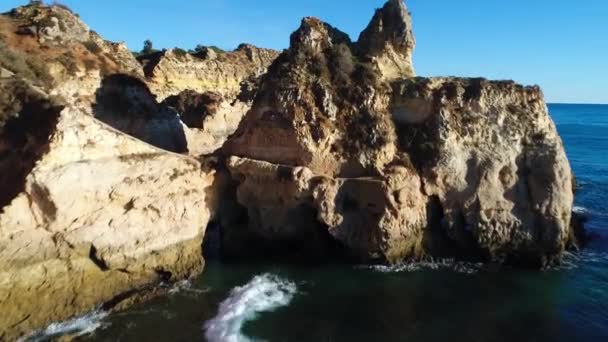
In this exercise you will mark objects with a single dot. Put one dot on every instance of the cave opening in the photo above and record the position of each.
(238, 234)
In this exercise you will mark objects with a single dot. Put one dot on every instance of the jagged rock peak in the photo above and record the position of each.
(389, 40)
(316, 35)
(54, 24)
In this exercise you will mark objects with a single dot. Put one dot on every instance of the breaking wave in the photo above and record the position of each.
(438, 264)
(573, 260)
(75, 327)
(580, 210)
(263, 293)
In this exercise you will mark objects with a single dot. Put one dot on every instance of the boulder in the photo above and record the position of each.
(89, 215)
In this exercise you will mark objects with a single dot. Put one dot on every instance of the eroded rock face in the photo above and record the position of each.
(369, 216)
(334, 146)
(210, 118)
(428, 166)
(91, 214)
(491, 153)
(51, 47)
(321, 107)
(172, 72)
(389, 41)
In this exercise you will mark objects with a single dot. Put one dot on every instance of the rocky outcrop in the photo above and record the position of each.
(331, 148)
(173, 71)
(389, 41)
(375, 219)
(91, 214)
(491, 154)
(211, 90)
(210, 118)
(51, 47)
(88, 214)
(396, 167)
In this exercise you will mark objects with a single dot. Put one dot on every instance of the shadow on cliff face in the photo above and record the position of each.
(237, 233)
(27, 120)
(125, 103)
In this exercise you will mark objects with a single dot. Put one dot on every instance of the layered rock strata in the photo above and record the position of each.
(171, 72)
(395, 166)
(91, 214)
(88, 214)
(333, 147)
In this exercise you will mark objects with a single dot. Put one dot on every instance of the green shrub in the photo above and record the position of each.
(180, 52)
(216, 49)
(148, 47)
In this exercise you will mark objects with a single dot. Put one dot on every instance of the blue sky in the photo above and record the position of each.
(561, 45)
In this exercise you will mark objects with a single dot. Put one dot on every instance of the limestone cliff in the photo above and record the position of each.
(394, 166)
(389, 41)
(224, 81)
(331, 148)
(171, 72)
(51, 47)
(88, 214)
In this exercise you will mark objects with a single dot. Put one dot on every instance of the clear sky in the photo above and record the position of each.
(561, 45)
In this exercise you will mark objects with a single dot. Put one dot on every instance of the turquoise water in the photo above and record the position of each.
(418, 302)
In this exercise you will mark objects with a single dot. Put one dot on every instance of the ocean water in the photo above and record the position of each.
(432, 301)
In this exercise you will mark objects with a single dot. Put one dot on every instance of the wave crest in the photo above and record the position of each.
(437, 264)
(263, 293)
(76, 327)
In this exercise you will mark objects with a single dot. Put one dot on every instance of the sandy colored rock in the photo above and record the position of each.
(210, 119)
(50, 46)
(375, 218)
(319, 106)
(389, 41)
(99, 214)
(495, 183)
(171, 72)
(492, 154)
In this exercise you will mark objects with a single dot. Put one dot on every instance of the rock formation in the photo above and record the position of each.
(51, 47)
(88, 214)
(331, 148)
(171, 72)
(389, 41)
(394, 166)
(185, 81)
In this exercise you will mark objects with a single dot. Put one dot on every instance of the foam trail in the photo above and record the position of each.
(76, 327)
(445, 264)
(263, 293)
(580, 210)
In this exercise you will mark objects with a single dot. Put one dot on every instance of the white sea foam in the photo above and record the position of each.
(263, 293)
(75, 327)
(443, 264)
(580, 210)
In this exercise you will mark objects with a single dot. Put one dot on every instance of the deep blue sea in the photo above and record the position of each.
(440, 301)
